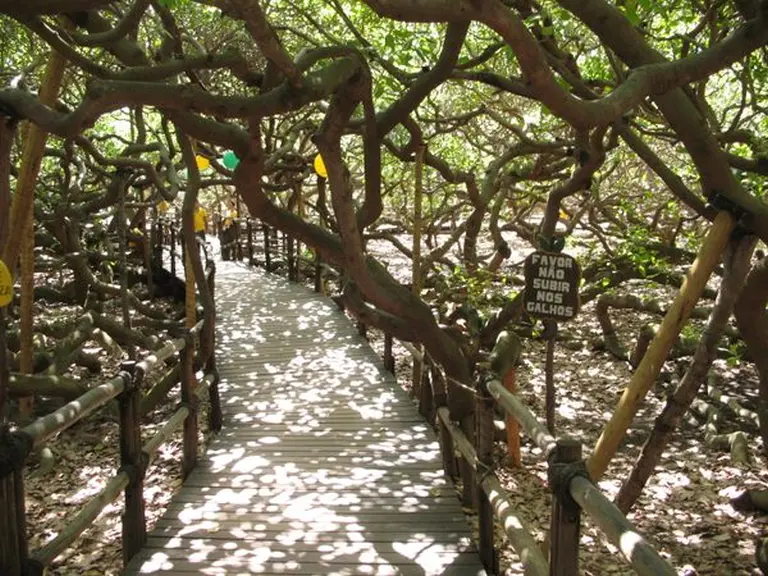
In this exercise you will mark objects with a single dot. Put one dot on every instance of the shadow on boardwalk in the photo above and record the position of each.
(324, 465)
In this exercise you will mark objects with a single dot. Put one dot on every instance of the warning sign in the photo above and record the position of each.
(551, 286)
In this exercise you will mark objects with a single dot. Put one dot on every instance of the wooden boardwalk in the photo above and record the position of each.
(324, 465)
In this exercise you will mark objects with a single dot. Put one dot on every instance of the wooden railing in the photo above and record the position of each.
(573, 492)
(260, 244)
(135, 458)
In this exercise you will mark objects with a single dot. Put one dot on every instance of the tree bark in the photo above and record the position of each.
(753, 325)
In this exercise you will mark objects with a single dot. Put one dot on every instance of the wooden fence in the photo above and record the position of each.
(15, 447)
(573, 492)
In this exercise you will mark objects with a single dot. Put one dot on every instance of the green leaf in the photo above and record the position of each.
(630, 11)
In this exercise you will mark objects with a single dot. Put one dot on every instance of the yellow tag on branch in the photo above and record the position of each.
(320, 167)
(6, 285)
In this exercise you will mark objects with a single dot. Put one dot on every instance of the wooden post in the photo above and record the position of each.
(267, 256)
(511, 424)
(238, 246)
(214, 397)
(13, 524)
(132, 462)
(426, 404)
(173, 248)
(549, 375)
(467, 473)
(300, 213)
(249, 226)
(318, 274)
(290, 258)
(297, 252)
(214, 415)
(189, 398)
(183, 251)
(447, 450)
(484, 433)
(156, 231)
(389, 359)
(362, 329)
(147, 250)
(21, 515)
(676, 317)
(566, 516)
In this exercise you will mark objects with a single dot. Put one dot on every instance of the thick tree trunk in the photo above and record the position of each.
(737, 264)
(474, 223)
(753, 325)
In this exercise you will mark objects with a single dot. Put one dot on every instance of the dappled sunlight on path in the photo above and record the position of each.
(324, 465)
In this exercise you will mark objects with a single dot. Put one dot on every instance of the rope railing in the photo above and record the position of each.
(16, 447)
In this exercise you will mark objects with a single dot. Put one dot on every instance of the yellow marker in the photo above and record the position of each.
(163, 206)
(202, 162)
(6, 285)
(320, 167)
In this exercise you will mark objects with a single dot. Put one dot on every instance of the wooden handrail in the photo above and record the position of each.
(134, 457)
(643, 558)
(175, 422)
(161, 355)
(82, 520)
(515, 528)
(535, 429)
(415, 352)
(151, 446)
(460, 439)
(619, 531)
(197, 327)
(43, 428)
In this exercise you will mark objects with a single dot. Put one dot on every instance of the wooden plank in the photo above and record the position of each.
(264, 556)
(157, 562)
(316, 474)
(210, 494)
(173, 539)
(265, 443)
(371, 520)
(341, 552)
(277, 453)
(308, 460)
(323, 465)
(340, 502)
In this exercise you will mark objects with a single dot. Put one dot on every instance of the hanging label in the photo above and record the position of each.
(6, 285)
(551, 286)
